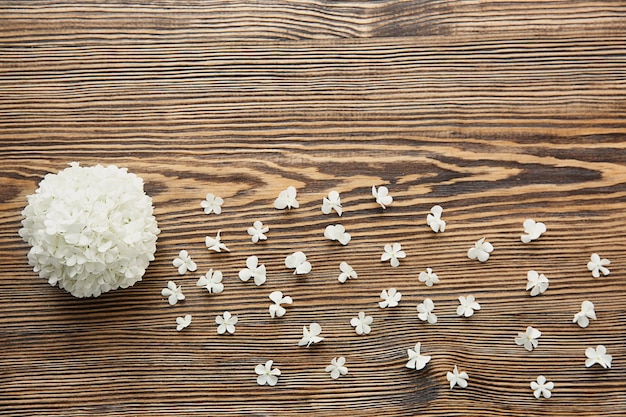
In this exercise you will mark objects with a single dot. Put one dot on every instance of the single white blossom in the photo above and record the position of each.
(528, 339)
(337, 367)
(257, 231)
(347, 272)
(311, 335)
(586, 312)
(467, 305)
(184, 263)
(297, 261)
(382, 196)
(287, 199)
(537, 283)
(392, 253)
(434, 219)
(267, 374)
(362, 323)
(216, 244)
(597, 266)
(173, 293)
(425, 311)
(429, 277)
(276, 309)
(212, 281)
(212, 204)
(183, 322)
(226, 323)
(542, 387)
(332, 202)
(337, 232)
(416, 361)
(390, 297)
(533, 230)
(480, 251)
(253, 270)
(599, 356)
(457, 378)
(90, 229)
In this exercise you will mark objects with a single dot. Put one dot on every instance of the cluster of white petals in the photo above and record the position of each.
(337, 232)
(91, 229)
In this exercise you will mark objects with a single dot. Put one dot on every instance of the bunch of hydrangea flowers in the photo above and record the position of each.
(91, 229)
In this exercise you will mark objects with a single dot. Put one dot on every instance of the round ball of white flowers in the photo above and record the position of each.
(91, 229)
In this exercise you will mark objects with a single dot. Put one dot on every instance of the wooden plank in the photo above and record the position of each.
(497, 111)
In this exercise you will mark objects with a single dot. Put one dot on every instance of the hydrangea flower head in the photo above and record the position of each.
(91, 229)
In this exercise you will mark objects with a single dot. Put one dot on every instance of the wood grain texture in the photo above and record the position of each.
(498, 111)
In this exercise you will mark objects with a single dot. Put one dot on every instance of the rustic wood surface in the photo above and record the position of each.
(498, 111)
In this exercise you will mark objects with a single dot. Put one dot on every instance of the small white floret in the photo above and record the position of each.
(287, 199)
(216, 244)
(332, 202)
(586, 312)
(417, 361)
(297, 261)
(183, 322)
(337, 232)
(533, 230)
(382, 196)
(311, 335)
(480, 251)
(434, 219)
(528, 339)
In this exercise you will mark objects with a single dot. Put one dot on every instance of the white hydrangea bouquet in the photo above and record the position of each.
(91, 229)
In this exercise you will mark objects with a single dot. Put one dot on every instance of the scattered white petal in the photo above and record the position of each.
(287, 199)
(257, 231)
(425, 311)
(212, 204)
(362, 323)
(537, 283)
(311, 335)
(90, 229)
(393, 252)
(276, 309)
(337, 232)
(347, 272)
(599, 356)
(337, 367)
(457, 378)
(253, 270)
(528, 339)
(586, 312)
(480, 251)
(382, 196)
(212, 281)
(434, 219)
(467, 306)
(297, 261)
(267, 375)
(216, 243)
(183, 322)
(226, 323)
(417, 361)
(173, 293)
(597, 266)
(542, 387)
(332, 202)
(184, 262)
(533, 230)
(390, 297)
(428, 277)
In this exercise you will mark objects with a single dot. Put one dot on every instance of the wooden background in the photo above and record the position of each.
(498, 111)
